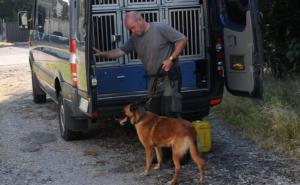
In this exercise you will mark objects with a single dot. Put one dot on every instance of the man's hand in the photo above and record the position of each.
(112, 54)
(167, 65)
(179, 46)
(98, 52)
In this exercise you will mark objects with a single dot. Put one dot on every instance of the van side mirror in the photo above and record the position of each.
(23, 20)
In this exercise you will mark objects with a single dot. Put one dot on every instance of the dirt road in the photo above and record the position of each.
(32, 151)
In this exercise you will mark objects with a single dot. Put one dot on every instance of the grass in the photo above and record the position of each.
(274, 121)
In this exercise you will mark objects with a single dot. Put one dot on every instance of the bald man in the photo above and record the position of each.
(157, 44)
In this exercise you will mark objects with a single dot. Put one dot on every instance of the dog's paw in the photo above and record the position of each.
(202, 180)
(171, 182)
(144, 173)
(157, 166)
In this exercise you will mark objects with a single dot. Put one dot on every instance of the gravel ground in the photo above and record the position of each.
(32, 152)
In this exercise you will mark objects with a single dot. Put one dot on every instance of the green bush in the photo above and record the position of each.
(281, 31)
(293, 55)
(273, 122)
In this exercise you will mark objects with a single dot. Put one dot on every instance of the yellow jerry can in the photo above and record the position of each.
(204, 135)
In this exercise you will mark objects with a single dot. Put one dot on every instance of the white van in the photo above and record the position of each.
(224, 48)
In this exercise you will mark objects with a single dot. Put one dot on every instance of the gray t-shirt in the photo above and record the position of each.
(155, 46)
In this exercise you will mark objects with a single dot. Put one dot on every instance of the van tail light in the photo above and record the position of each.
(73, 62)
(214, 102)
(95, 114)
(220, 54)
(219, 43)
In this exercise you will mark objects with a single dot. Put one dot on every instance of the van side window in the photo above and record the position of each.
(60, 18)
(234, 11)
(41, 19)
(43, 22)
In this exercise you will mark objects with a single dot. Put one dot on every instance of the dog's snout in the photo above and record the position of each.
(122, 118)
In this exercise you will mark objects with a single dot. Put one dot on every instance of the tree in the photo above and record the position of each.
(10, 8)
(281, 35)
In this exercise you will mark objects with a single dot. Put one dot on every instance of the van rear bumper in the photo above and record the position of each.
(194, 104)
(111, 106)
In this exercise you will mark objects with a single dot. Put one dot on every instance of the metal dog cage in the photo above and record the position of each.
(133, 3)
(110, 32)
(189, 21)
(105, 29)
(105, 2)
(180, 2)
(145, 2)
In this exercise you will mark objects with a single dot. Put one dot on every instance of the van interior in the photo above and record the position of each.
(127, 75)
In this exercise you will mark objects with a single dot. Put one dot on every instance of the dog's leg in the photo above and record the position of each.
(148, 151)
(176, 161)
(199, 162)
(158, 157)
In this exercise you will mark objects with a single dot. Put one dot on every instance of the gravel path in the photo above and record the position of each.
(32, 152)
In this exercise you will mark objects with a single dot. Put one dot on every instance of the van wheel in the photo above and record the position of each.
(65, 119)
(39, 96)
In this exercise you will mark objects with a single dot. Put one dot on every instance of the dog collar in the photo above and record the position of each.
(140, 119)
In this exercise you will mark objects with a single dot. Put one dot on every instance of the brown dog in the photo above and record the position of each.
(155, 131)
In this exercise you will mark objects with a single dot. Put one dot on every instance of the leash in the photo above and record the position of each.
(154, 85)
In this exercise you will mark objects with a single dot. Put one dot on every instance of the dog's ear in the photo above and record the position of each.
(134, 107)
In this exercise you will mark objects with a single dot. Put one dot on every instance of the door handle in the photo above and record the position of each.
(232, 40)
(121, 77)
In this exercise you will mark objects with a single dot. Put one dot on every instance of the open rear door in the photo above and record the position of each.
(243, 46)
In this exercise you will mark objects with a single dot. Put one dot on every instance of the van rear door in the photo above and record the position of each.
(242, 46)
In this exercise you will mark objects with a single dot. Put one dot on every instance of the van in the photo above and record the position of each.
(224, 49)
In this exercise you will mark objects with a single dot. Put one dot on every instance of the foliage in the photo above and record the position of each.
(273, 122)
(281, 27)
(293, 55)
(10, 8)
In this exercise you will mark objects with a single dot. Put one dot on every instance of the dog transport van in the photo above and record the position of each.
(224, 49)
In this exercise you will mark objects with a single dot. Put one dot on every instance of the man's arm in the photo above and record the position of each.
(179, 46)
(112, 54)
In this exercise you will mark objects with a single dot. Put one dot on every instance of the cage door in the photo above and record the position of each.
(106, 35)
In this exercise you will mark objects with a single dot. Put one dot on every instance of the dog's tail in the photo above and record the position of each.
(195, 154)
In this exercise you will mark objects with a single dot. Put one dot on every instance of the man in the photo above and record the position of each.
(156, 44)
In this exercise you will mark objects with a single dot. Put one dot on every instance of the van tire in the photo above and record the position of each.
(65, 120)
(39, 96)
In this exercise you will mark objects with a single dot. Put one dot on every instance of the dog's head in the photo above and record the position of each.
(132, 113)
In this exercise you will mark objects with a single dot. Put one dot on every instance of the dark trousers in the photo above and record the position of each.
(161, 105)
